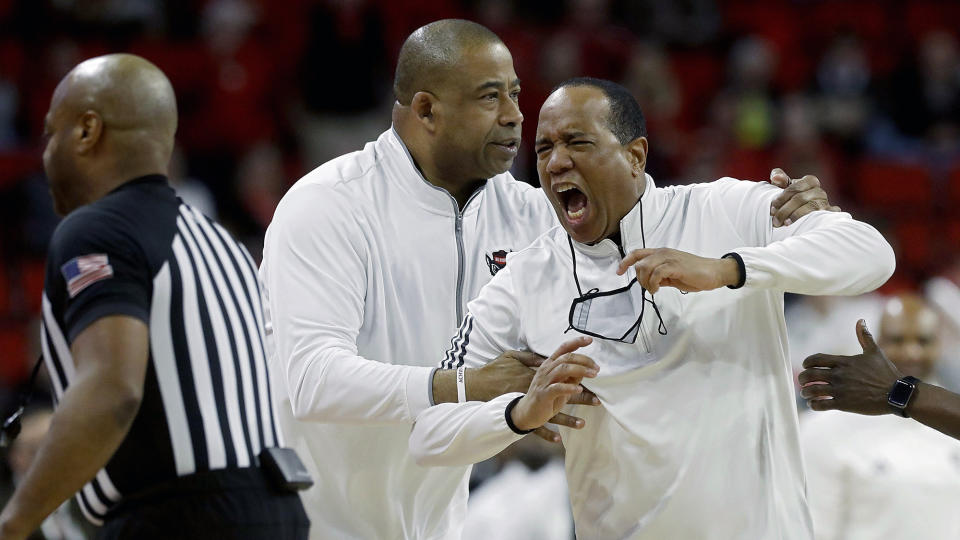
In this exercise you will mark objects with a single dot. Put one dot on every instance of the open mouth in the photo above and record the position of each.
(573, 200)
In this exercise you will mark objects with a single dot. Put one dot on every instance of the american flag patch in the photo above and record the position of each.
(81, 272)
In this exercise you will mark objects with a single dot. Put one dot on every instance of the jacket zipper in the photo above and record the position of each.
(643, 334)
(458, 229)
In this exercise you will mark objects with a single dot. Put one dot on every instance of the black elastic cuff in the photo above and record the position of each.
(740, 267)
(510, 423)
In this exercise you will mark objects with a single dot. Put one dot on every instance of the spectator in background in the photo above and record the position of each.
(943, 292)
(345, 38)
(922, 105)
(752, 63)
(884, 476)
(648, 77)
(799, 144)
(683, 22)
(191, 190)
(261, 183)
(843, 83)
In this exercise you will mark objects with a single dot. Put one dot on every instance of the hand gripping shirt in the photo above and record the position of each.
(696, 436)
(368, 269)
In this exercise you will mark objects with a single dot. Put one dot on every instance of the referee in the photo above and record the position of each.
(152, 334)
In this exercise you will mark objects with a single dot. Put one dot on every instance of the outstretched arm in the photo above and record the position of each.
(861, 383)
(822, 253)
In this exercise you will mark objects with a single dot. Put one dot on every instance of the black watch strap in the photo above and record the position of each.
(900, 394)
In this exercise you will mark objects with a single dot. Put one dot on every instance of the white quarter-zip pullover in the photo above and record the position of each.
(697, 433)
(368, 269)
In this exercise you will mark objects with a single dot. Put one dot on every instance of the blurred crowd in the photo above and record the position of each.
(865, 94)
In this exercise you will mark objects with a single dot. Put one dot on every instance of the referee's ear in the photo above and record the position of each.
(423, 104)
(88, 132)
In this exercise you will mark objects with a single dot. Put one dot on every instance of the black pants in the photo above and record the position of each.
(224, 504)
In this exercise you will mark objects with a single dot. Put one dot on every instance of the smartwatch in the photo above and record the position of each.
(899, 396)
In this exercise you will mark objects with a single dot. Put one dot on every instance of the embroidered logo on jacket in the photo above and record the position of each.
(496, 261)
(81, 272)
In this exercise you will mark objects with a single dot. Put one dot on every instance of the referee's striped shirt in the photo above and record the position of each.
(140, 251)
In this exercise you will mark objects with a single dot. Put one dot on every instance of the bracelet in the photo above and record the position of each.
(742, 269)
(461, 386)
(513, 427)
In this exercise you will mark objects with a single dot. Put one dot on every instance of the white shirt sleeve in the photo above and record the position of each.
(822, 253)
(464, 433)
(315, 271)
(451, 434)
(492, 326)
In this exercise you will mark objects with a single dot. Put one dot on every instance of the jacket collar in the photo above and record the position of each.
(403, 172)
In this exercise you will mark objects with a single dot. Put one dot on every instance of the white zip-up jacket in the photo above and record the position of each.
(368, 269)
(697, 433)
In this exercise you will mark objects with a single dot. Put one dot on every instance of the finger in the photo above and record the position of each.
(658, 275)
(790, 188)
(808, 376)
(579, 359)
(822, 404)
(646, 267)
(570, 346)
(865, 337)
(562, 419)
(529, 359)
(584, 398)
(632, 258)
(564, 372)
(834, 209)
(818, 202)
(547, 434)
(799, 199)
(818, 389)
(821, 361)
(560, 389)
(779, 178)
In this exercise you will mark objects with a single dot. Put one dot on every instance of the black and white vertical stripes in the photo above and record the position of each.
(453, 358)
(207, 351)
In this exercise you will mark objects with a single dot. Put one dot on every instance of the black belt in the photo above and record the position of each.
(219, 480)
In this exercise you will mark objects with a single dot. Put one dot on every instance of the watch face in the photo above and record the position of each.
(900, 394)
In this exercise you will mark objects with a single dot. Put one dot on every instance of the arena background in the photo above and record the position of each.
(864, 94)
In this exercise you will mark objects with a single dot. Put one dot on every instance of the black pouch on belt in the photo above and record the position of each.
(284, 468)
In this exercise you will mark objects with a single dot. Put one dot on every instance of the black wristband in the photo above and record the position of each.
(510, 423)
(740, 268)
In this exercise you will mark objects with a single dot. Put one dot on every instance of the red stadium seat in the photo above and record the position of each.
(890, 186)
(924, 16)
(32, 274)
(13, 353)
(915, 243)
(955, 186)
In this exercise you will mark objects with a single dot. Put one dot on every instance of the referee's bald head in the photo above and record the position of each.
(430, 55)
(112, 118)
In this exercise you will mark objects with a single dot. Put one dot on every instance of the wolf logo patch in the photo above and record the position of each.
(496, 261)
